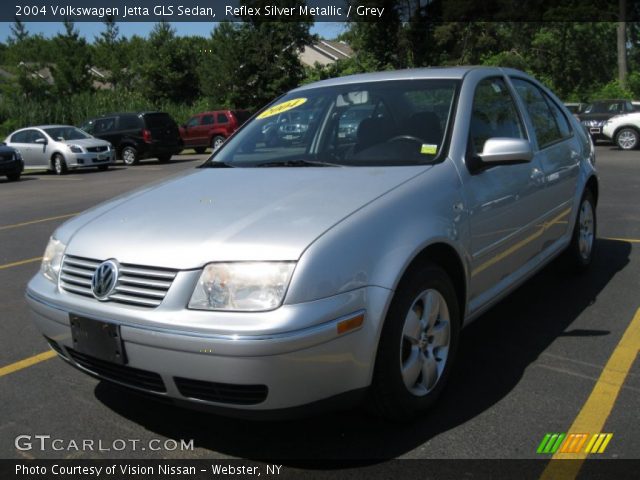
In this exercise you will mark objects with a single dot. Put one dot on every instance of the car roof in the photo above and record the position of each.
(452, 73)
(115, 114)
(42, 127)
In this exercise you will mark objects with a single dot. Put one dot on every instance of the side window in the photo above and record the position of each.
(87, 127)
(494, 114)
(193, 122)
(128, 122)
(104, 125)
(548, 121)
(207, 120)
(34, 136)
(222, 118)
(20, 137)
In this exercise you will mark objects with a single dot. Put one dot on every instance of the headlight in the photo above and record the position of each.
(243, 286)
(52, 259)
(75, 148)
(18, 155)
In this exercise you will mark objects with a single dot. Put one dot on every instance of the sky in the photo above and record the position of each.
(89, 30)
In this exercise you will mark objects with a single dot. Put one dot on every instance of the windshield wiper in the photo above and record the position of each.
(217, 165)
(296, 163)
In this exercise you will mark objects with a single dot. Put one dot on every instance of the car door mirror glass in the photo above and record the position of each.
(506, 150)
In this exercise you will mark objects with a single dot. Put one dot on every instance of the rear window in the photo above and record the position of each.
(158, 120)
(130, 122)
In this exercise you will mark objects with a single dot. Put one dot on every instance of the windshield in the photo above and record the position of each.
(66, 133)
(401, 122)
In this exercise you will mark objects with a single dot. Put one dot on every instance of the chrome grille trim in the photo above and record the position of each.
(138, 285)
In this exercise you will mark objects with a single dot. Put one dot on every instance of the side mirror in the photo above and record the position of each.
(504, 151)
(41, 141)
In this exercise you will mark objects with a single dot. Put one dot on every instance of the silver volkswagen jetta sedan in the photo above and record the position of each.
(60, 148)
(330, 268)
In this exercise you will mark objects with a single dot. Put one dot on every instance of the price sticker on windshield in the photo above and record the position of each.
(282, 107)
(428, 149)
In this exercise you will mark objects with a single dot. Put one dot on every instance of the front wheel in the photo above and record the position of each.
(418, 344)
(59, 164)
(13, 177)
(627, 139)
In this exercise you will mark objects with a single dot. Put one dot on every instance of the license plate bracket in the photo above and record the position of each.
(98, 339)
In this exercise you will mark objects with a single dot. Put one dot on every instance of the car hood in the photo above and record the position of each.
(234, 214)
(86, 142)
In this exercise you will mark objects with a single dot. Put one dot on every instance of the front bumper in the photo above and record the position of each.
(276, 370)
(11, 167)
(91, 159)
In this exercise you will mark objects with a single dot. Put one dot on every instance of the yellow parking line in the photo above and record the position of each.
(21, 262)
(629, 240)
(596, 410)
(40, 220)
(27, 362)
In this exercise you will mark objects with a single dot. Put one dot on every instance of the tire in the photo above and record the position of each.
(103, 168)
(13, 177)
(627, 138)
(200, 150)
(164, 158)
(580, 252)
(59, 164)
(130, 156)
(398, 391)
(216, 142)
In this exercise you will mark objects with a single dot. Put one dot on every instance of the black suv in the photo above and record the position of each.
(598, 112)
(138, 135)
(11, 163)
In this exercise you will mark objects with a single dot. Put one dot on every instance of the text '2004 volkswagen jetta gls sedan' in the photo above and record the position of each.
(332, 267)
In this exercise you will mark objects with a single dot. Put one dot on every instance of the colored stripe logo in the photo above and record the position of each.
(574, 443)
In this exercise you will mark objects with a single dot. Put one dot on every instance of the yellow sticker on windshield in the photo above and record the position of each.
(428, 149)
(282, 107)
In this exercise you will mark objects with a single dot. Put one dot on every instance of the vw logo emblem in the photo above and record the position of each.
(104, 279)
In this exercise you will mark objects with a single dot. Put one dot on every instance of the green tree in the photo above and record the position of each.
(111, 54)
(167, 68)
(72, 62)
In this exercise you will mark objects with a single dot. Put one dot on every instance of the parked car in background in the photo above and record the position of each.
(636, 105)
(210, 129)
(331, 269)
(575, 107)
(596, 113)
(624, 130)
(11, 164)
(60, 148)
(136, 136)
(287, 128)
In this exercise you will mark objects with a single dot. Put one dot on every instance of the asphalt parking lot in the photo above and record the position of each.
(527, 367)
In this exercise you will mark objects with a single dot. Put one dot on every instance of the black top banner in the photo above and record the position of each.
(320, 10)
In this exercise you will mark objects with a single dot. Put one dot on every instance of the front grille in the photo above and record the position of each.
(221, 392)
(136, 285)
(103, 148)
(133, 377)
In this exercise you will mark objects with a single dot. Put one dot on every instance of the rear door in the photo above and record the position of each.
(206, 129)
(223, 124)
(557, 151)
(20, 141)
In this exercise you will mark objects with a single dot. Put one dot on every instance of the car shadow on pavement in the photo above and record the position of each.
(519, 328)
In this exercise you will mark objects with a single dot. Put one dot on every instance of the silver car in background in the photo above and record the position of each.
(331, 269)
(60, 148)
